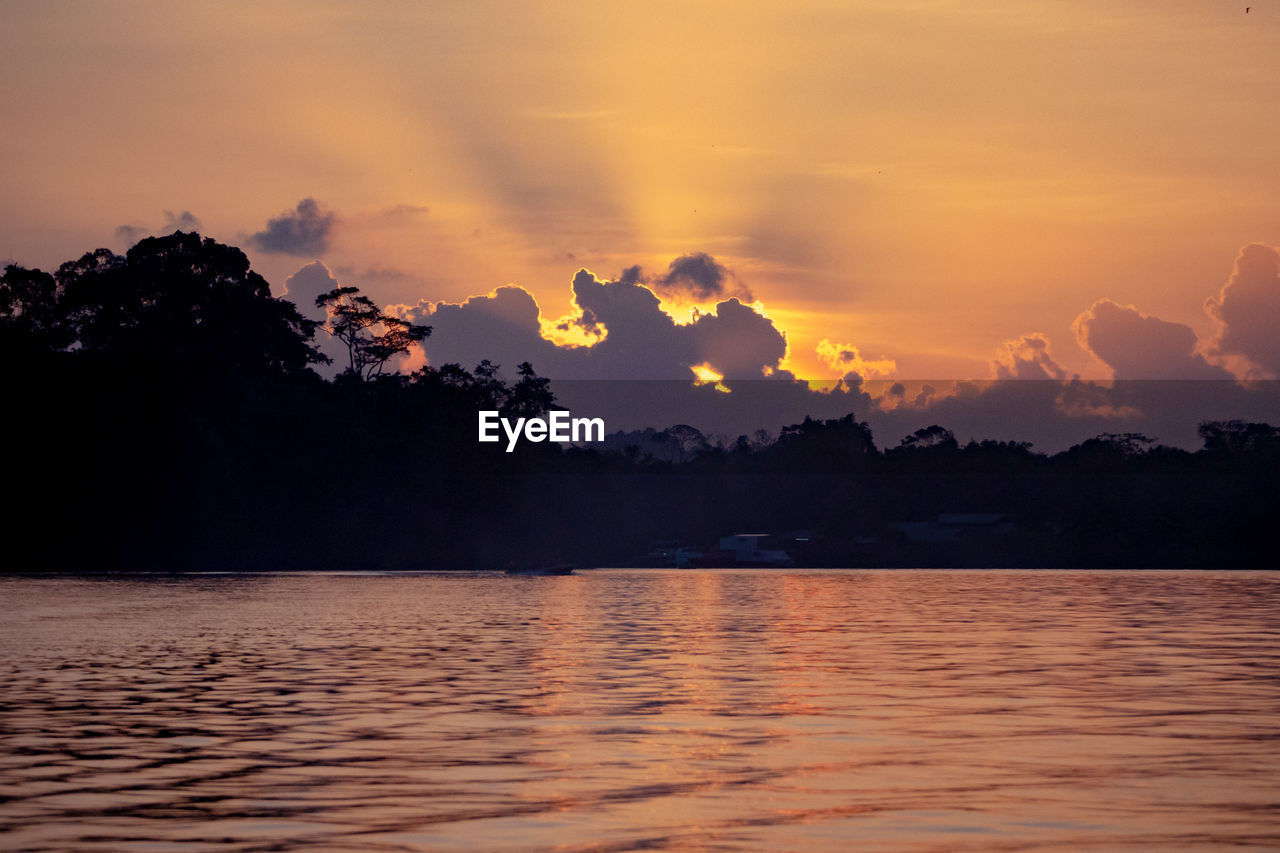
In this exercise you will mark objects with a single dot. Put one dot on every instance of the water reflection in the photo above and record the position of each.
(627, 710)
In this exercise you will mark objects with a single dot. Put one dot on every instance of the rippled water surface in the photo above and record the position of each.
(622, 710)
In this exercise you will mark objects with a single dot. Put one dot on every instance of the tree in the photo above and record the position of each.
(682, 442)
(833, 445)
(30, 317)
(1239, 437)
(1126, 444)
(183, 301)
(1108, 451)
(372, 337)
(488, 385)
(530, 397)
(934, 438)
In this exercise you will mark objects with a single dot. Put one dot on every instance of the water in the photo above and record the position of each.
(623, 710)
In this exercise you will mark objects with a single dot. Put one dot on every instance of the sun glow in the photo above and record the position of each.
(566, 333)
(904, 205)
(707, 375)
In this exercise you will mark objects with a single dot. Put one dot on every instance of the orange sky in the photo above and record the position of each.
(922, 180)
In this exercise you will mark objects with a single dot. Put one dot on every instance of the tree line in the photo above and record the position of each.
(163, 413)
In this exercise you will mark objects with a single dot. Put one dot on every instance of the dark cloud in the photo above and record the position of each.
(1026, 357)
(376, 274)
(1247, 311)
(131, 234)
(1052, 415)
(642, 343)
(306, 284)
(1080, 400)
(637, 332)
(636, 339)
(403, 212)
(1055, 415)
(1137, 346)
(303, 231)
(301, 289)
(184, 221)
(502, 327)
(128, 235)
(925, 396)
(699, 277)
(736, 341)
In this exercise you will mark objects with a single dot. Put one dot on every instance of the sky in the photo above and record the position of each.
(911, 190)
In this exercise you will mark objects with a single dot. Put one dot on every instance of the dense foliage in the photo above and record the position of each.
(161, 413)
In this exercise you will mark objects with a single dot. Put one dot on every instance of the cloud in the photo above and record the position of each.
(301, 289)
(131, 234)
(629, 317)
(402, 212)
(375, 274)
(184, 221)
(632, 337)
(737, 341)
(699, 277)
(1055, 414)
(502, 326)
(621, 332)
(1026, 357)
(306, 284)
(846, 359)
(1079, 399)
(1138, 346)
(1247, 311)
(303, 231)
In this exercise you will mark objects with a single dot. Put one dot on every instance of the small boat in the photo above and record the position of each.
(554, 569)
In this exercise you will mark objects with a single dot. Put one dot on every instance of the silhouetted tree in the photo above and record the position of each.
(30, 316)
(834, 445)
(187, 301)
(488, 385)
(530, 397)
(161, 415)
(1239, 437)
(929, 438)
(1122, 445)
(682, 441)
(993, 456)
(372, 336)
